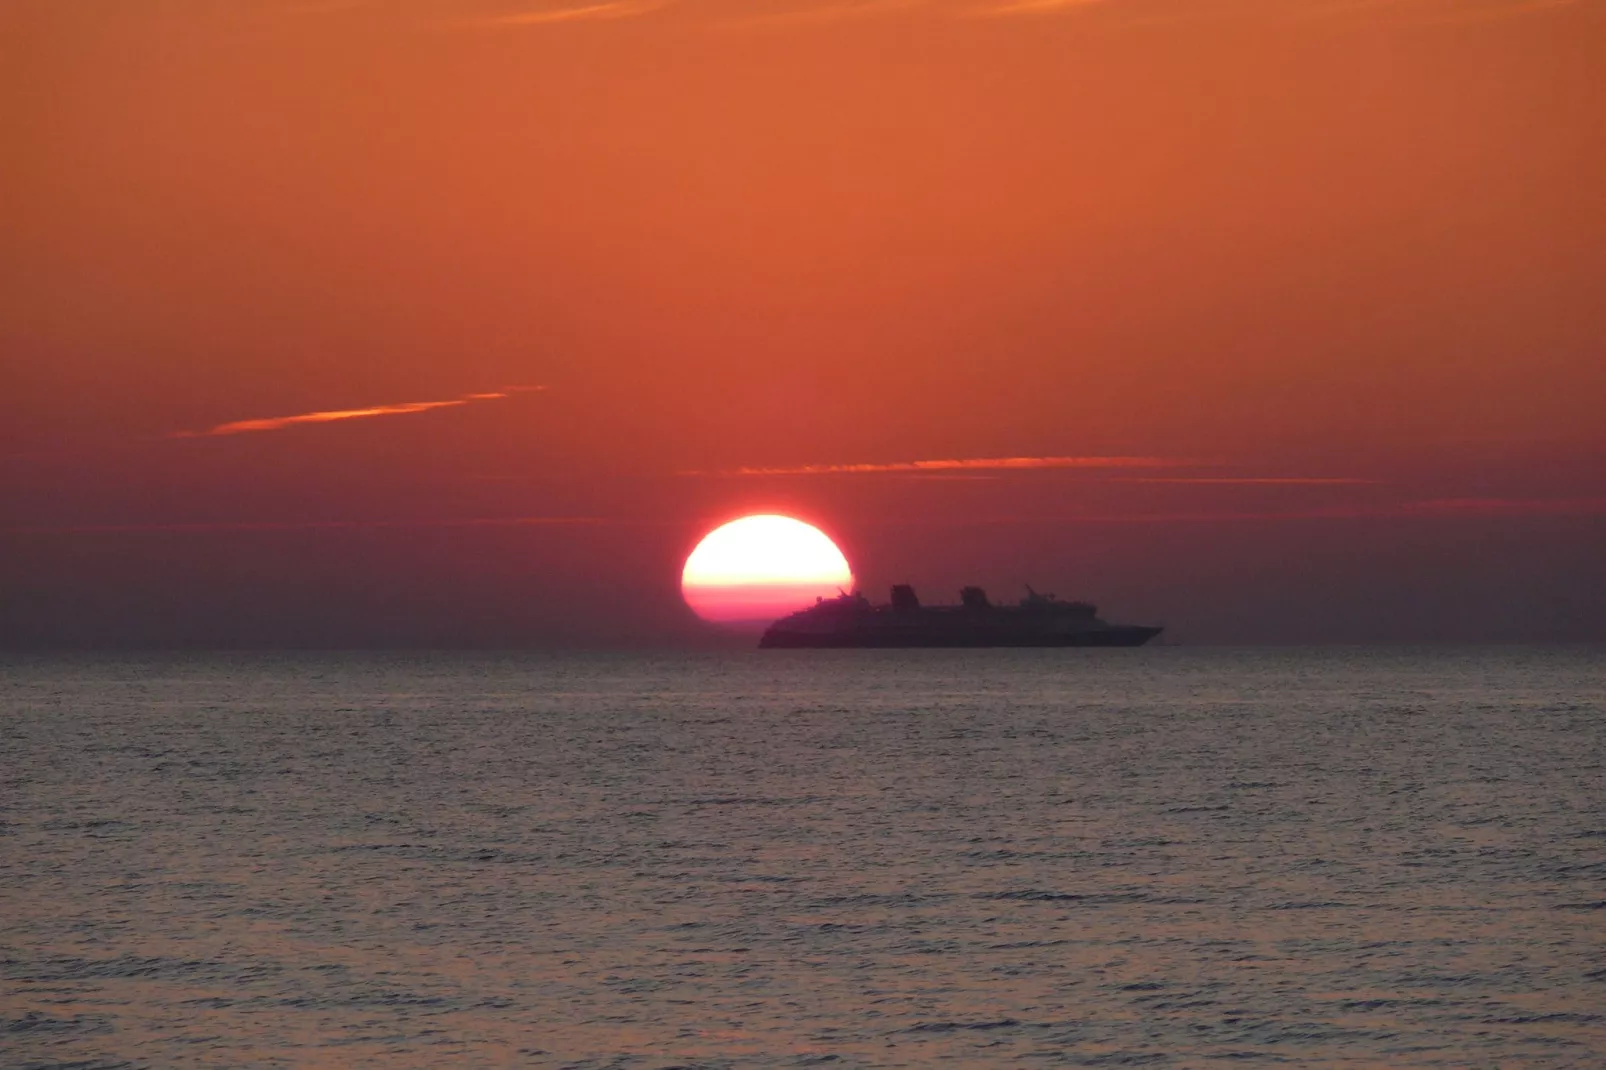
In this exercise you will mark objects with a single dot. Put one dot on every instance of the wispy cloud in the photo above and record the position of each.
(1255, 481)
(956, 464)
(803, 14)
(227, 526)
(278, 423)
(1494, 507)
(824, 14)
(1446, 510)
(1033, 7)
(606, 11)
(1399, 12)
(318, 7)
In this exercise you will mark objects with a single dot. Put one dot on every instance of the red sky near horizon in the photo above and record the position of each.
(356, 323)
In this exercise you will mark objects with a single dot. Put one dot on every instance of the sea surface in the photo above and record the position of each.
(1165, 857)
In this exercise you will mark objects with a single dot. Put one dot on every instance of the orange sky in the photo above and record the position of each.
(1269, 319)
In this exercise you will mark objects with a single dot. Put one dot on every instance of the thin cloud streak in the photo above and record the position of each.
(1224, 481)
(608, 11)
(1434, 509)
(1424, 13)
(225, 527)
(1034, 7)
(1495, 507)
(823, 14)
(1255, 481)
(1395, 12)
(1425, 509)
(956, 464)
(278, 423)
(832, 12)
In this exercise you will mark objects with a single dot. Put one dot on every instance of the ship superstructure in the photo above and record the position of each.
(851, 620)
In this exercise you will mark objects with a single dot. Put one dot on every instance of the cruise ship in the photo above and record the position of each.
(851, 620)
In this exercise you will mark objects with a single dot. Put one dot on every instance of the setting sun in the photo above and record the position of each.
(759, 568)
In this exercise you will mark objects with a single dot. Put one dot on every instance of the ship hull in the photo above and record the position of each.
(890, 638)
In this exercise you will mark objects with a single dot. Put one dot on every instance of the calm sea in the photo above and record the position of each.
(1165, 857)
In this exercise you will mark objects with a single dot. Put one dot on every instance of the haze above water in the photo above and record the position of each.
(1167, 857)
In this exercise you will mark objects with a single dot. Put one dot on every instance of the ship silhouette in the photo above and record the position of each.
(851, 621)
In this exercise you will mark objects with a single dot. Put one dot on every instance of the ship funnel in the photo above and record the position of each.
(903, 597)
(973, 598)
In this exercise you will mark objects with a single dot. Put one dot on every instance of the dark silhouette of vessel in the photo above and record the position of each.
(1039, 620)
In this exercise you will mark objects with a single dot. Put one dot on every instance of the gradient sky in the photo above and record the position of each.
(401, 322)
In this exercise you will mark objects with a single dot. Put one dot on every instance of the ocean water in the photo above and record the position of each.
(1163, 857)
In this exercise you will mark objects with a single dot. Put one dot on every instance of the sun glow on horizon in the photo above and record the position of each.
(760, 568)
